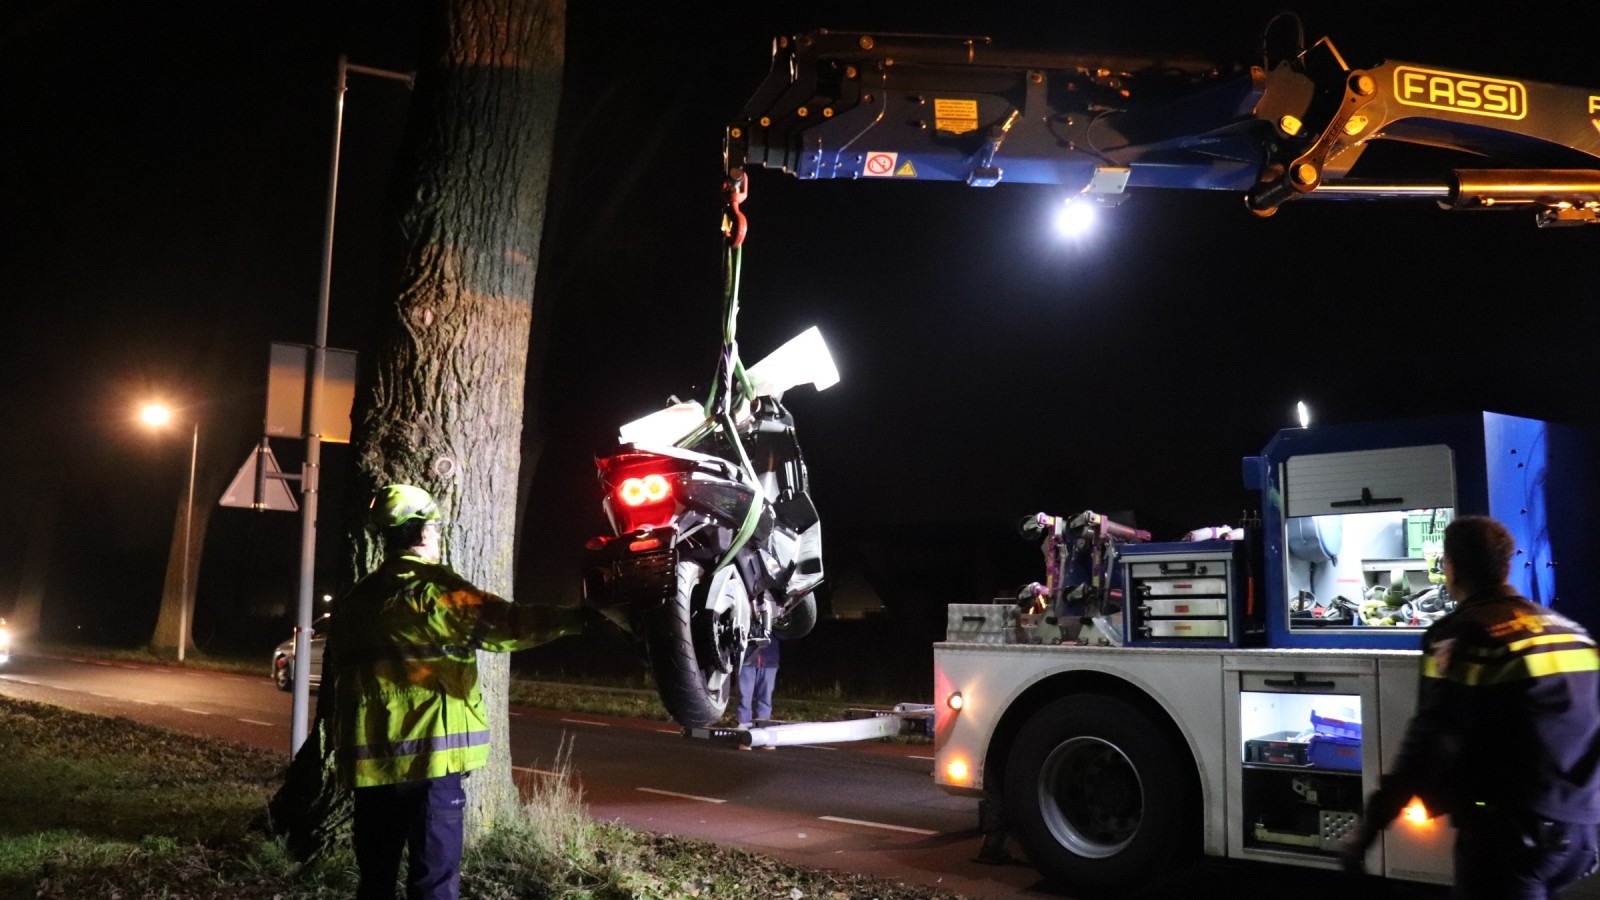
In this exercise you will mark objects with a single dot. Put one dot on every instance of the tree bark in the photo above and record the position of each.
(442, 405)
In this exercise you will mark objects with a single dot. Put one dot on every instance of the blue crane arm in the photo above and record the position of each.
(932, 108)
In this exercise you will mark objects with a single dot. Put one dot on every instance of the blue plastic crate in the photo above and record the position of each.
(1335, 727)
(1329, 752)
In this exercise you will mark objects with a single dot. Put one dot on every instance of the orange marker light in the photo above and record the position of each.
(1416, 813)
(956, 770)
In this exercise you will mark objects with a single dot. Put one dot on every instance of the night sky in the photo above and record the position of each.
(161, 212)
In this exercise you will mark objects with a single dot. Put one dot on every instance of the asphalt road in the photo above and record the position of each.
(868, 808)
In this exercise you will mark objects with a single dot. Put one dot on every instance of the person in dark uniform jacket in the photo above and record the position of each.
(1506, 737)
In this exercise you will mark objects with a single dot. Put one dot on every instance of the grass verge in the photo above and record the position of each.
(107, 808)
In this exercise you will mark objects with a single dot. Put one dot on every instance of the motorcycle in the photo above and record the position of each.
(716, 545)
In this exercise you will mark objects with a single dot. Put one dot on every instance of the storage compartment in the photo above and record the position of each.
(981, 623)
(1301, 787)
(1182, 593)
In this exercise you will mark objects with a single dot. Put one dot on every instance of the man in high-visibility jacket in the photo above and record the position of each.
(410, 720)
(1506, 737)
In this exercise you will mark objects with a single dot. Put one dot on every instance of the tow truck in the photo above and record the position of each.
(1237, 694)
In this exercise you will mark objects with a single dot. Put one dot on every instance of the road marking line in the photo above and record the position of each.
(126, 666)
(197, 674)
(928, 758)
(259, 722)
(670, 731)
(538, 771)
(684, 796)
(198, 712)
(876, 825)
(515, 713)
(146, 702)
(587, 722)
(818, 747)
(98, 694)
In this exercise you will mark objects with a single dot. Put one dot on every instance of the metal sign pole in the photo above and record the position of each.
(300, 707)
(308, 479)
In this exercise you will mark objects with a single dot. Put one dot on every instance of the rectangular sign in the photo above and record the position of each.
(1476, 95)
(287, 373)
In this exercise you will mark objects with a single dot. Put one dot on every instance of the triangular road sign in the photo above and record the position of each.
(275, 494)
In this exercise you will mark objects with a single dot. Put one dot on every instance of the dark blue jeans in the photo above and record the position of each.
(421, 816)
(1505, 856)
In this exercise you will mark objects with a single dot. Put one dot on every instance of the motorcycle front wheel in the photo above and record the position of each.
(704, 613)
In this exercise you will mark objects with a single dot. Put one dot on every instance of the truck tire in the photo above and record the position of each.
(1098, 796)
(694, 690)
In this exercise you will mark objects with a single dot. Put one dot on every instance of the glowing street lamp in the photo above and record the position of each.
(158, 415)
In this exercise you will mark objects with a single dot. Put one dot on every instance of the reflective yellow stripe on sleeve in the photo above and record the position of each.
(1530, 665)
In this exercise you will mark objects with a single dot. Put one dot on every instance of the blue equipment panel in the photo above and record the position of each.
(1390, 485)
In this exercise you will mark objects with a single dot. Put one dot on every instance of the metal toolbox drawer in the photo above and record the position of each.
(1180, 568)
(1187, 628)
(1184, 587)
(1186, 606)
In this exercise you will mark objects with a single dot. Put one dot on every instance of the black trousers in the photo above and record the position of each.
(422, 816)
(1506, 856)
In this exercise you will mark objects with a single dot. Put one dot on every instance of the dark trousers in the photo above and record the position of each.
(755, 692)
(1504, 856)
(421, 816)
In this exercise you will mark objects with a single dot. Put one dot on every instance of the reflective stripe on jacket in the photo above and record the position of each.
(405, 675)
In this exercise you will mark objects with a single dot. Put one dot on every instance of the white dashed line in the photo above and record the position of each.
(876, 825)
(145, 702)
(928, 758)
(126, 666)
(587, 722)
(258, 722)
(669, 731)
(515, 713)
(684, 796)
(198, 712)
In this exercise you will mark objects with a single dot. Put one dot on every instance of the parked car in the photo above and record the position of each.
(283, 659)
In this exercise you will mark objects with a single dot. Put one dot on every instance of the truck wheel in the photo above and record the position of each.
(694, 644)
(1097, 796)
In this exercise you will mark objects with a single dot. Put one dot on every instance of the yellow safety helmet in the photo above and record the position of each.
(397, 504)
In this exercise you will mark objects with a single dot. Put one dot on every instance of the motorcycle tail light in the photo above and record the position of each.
(640, 491)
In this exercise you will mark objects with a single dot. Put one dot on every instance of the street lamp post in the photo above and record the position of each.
(156, 415)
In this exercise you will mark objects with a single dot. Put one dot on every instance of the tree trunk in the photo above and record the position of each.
(442, 405)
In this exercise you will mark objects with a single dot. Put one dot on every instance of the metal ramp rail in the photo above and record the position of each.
(863, 725)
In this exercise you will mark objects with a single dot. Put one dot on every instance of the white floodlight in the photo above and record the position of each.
(1304, 412)
(1076, 217)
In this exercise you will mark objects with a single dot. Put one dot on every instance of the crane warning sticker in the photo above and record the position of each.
(879, 165)
(906, 169)
(955, 116)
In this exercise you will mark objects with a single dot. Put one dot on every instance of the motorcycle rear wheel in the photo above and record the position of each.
(695, 691)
